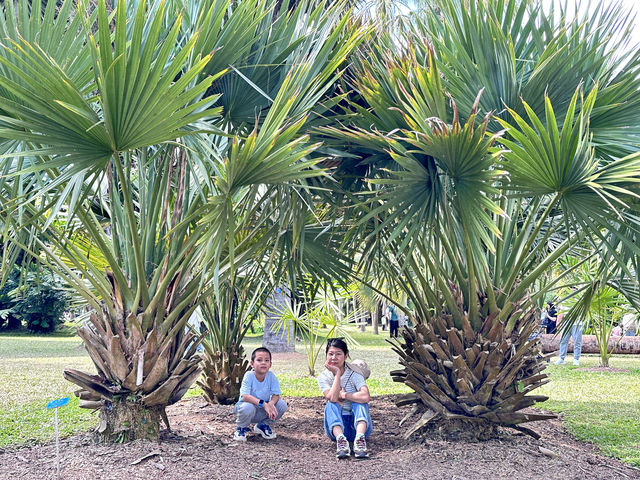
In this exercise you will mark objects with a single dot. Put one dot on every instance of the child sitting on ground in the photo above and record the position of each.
(260, 401)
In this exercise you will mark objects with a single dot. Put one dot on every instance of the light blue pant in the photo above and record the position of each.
(576, 333)
(333, 416)
(247, 413)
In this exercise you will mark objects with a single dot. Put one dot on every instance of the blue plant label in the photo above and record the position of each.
(61, 402)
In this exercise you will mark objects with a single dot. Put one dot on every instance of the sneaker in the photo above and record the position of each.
(360, 446)
(576, 363)
(559, 362)
(342, 447)
(264, 430)
(241, 434)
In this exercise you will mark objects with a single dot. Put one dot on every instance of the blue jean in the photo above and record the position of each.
(576, 333)
(247, 413)
(333, 416)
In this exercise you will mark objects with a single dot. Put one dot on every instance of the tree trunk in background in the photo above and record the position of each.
(284, 339)
(14, 323)
(361, 318)
(375, 317)
(630, 345)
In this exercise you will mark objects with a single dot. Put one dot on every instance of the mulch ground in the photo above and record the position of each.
(201, 446)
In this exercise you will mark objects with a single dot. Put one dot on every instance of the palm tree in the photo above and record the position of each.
(468, 202)
(114, 141)
(227, 317)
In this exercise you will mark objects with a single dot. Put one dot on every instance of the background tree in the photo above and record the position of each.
(470, 201)
(119, 112)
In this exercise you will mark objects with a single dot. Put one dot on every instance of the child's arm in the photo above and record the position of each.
(250, 399)
(270, 407)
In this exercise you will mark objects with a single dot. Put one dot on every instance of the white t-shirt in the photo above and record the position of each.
(351, 381)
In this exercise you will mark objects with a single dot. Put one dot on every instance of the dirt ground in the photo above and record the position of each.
(201, 447)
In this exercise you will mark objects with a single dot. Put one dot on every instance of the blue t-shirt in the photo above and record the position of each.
(262, 390)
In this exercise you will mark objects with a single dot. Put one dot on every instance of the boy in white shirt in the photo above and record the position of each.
(260, 401)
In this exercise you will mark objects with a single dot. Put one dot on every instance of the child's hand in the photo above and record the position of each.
(342, 395)
(271, 411)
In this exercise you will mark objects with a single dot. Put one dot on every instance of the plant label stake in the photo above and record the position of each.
(55, 404)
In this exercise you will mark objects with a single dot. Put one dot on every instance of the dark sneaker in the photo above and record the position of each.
(241, 434)
(342, 447)
(360, 446)
(264, 430)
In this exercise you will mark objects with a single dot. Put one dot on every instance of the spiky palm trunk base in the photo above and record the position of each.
(124, 421)
(466, 384)
(139, 374)
(223, 373)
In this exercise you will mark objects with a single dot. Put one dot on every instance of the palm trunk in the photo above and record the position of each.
(126, 421)
(138, 374)
(361, 319)
(468, 383)
(375, 317)
(284, 339)
(223, 373)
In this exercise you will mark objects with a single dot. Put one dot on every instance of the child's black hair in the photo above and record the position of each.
(260, 349)
(337, 343)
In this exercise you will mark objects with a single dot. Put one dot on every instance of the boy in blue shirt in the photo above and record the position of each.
(260, 401)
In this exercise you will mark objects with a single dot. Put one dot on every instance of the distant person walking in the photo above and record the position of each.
(552, 317)
(394, 321)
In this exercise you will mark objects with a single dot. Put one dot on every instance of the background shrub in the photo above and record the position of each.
(38, 302)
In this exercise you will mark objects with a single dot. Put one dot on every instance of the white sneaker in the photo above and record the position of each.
(342, 447)
(360, 446)
(559, 362)
(264, 430)
(241, 434)
(576, 363)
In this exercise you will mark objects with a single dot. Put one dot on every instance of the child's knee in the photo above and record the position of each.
(245, 409)
(281, 406)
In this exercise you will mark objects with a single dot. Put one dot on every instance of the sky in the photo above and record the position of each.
(630, 5)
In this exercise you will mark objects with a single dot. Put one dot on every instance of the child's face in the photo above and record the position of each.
(335, 357)
(261, 363)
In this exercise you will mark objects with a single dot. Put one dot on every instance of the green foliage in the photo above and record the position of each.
(142, 197)
(36, 299)
(448, 197)
(595, 300)
(314, 322)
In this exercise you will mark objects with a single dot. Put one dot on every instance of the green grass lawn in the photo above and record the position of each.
(30, 376)
(599, 407)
